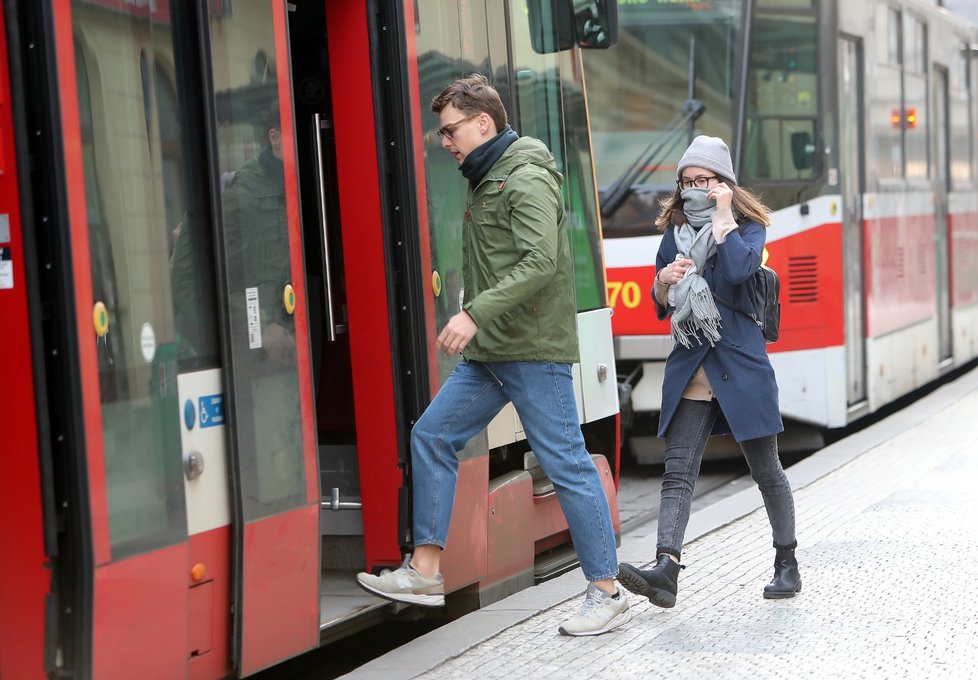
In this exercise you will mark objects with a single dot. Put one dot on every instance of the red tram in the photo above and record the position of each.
(858, 123)
(227, 238)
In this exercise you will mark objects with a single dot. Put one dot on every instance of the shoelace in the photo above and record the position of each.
(592, 602)
(406, 564)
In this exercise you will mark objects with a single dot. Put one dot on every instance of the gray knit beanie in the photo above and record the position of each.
(710, 153)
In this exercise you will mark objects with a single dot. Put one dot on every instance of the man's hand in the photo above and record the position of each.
(456, 334)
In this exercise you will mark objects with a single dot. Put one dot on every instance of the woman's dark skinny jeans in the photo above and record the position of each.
(685, 442)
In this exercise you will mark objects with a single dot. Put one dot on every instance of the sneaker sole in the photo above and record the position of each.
(636, 584)
(406, 598)
(621, 619)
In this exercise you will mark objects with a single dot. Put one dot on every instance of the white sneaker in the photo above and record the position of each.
(600, 613)
(405, 585)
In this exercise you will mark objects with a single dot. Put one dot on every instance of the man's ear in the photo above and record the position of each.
(275, 138)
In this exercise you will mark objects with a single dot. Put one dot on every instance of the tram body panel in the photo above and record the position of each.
(24, 580)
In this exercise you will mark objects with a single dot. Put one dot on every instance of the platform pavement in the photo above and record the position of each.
(888, 547)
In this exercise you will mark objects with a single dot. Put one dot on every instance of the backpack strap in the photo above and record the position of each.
(743, 311)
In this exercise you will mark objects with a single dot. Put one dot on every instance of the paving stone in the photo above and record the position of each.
(888, 548)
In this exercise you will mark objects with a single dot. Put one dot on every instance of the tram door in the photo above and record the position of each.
(942, 179)
(192, 336)
(274, 469)
(851, 184)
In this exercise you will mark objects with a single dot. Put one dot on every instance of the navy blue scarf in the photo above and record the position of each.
(477, 164)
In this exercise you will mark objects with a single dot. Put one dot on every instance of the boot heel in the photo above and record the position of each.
(662, 598)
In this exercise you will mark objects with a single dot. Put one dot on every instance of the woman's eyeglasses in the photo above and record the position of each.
(701, 182)
(448, 131)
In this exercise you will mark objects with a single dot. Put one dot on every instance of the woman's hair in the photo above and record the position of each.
(746, 206)
(470, 95)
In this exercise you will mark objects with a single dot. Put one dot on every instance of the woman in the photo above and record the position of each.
(718, 378)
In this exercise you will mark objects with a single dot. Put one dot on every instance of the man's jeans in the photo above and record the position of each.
(543, 394)
(685, 441)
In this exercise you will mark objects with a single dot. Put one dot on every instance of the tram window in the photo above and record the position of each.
(893, 45)
(550, 106)
(445, 52)
(784, 4)
(253, 148)
(637, 91)
(959, 106)
(132, 133)
(915, 123)
(779, 149)
(782, 98)
(915, 45)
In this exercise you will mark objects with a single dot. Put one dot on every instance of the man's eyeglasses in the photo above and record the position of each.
(701, 182)
(448, 131)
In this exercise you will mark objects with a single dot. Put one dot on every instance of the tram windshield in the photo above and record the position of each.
(639, 96)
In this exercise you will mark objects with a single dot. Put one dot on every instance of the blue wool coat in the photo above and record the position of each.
(738, 366)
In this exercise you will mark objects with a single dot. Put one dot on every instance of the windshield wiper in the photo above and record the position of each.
(669, 135)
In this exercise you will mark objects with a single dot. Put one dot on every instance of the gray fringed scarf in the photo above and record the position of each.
(694, 308)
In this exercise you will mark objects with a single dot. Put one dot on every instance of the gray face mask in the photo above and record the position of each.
(698, 208)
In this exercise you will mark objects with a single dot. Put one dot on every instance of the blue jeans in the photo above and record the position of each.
(543, 394)
(685, 441)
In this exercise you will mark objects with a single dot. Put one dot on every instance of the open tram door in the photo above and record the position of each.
(269, 391)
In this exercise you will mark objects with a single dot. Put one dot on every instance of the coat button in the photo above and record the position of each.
(724, 377)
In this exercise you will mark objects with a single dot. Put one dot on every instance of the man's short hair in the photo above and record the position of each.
(471, 95)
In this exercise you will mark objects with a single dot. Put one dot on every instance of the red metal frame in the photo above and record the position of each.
(82, 270)
(24, 579)
(295, 255)
(371, 353)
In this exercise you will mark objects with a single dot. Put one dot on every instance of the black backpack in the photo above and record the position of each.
(767, 306)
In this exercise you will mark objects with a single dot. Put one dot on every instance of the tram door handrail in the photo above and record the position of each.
(331, 327)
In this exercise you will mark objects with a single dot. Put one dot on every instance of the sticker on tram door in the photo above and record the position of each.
(211, 410)
(254, 318)
(6, 268)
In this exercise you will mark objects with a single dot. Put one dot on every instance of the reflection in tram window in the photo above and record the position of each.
(135, 187)
(256, 248)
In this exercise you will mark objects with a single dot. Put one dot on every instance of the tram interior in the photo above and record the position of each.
(341, 523)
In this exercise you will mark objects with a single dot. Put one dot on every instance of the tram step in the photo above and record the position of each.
(554, 563)
(541, 483)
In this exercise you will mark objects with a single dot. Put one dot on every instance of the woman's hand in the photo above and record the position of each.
(673, 273)
(722, 194)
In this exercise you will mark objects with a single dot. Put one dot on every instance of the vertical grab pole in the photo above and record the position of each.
(317, 123)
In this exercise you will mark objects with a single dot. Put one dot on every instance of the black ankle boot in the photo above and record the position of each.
(787, 580)
(659, 584)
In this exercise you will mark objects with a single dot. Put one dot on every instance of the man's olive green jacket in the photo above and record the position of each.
(516, 261)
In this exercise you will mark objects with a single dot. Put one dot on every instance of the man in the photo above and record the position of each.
(518, 334)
